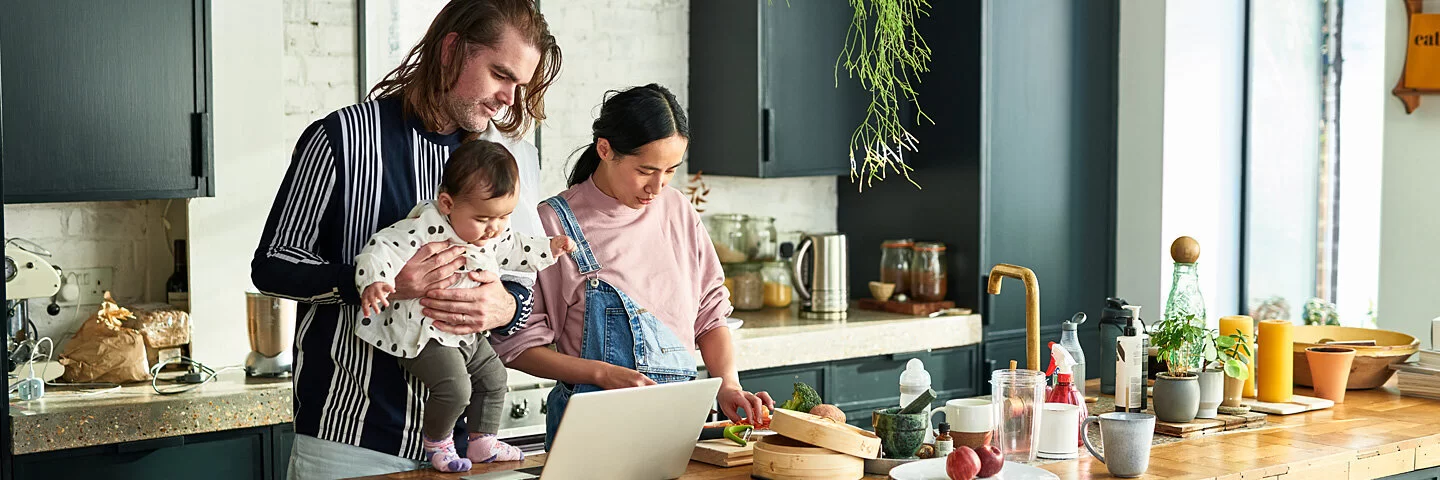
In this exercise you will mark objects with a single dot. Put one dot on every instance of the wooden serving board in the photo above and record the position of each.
(1210, 426)
(723, 453)
(904, 308)
(1297, 404)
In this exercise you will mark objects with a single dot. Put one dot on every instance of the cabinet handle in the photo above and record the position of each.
(201, 131)
(151, 444)
(767, 134)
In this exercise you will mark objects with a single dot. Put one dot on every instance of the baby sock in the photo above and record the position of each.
(486, 448)
(443, 457)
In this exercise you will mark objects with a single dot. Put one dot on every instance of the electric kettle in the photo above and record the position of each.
(821, 276)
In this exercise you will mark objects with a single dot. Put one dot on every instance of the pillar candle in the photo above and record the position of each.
(1277, 361)
(1246, 326)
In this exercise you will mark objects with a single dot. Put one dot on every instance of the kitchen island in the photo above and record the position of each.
(1375, 433)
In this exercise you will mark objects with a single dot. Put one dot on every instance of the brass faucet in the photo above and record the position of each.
(1032, 306)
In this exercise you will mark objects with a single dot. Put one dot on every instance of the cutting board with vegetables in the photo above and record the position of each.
(723, 453)
(1297, 404)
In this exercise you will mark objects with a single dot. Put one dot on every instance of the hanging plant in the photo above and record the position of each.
(696, 191)
(886, 52)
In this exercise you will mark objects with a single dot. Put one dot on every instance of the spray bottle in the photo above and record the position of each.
(1064, 390)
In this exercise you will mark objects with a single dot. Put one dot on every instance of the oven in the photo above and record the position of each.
(523, 421)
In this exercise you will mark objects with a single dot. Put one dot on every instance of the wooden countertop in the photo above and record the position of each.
(1375, 433)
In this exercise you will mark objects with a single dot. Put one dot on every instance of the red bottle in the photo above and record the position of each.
(1064, 390)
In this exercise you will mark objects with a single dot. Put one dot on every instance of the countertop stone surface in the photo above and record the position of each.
(780, 337)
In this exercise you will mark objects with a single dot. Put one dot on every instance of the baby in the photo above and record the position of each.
(473, 210)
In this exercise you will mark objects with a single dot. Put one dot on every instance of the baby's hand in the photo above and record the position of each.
(375, 297)
(561, 245)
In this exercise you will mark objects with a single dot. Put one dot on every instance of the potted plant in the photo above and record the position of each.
(1234, 354)
(1181, 344)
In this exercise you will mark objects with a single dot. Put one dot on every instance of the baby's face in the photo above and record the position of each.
(477, 220)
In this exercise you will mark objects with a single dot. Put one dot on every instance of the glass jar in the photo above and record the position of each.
(895, 259)
(745, 284)
(727, 232)
(929, 279)
(778, 289)
(760, 238)
(1018, 397)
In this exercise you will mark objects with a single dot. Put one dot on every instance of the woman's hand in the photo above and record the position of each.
(614, 376)
(732, 398)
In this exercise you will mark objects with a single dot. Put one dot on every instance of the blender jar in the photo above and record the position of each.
(1017, 396)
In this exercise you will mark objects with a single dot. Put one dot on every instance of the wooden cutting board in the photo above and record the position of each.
(1210, 426)
(904, 308)
(723, 453)
(1297, 404)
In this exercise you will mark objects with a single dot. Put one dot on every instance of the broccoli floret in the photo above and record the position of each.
(804, 399)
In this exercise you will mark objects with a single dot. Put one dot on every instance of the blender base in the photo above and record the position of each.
(257, 365)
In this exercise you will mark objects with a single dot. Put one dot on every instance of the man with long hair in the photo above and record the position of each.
(480, 71)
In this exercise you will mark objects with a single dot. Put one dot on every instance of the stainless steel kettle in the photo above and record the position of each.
(821, 276)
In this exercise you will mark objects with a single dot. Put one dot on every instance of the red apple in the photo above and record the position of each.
(991, 460)
(962, 464)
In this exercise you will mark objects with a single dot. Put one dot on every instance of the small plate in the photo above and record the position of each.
(734, 323)
(934, 469)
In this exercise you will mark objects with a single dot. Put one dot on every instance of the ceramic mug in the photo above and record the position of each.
(1125, 437)
(971, 421)
(1059, 429)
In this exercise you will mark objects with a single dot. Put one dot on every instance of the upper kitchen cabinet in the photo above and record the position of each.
(764, 100)
(105, 100)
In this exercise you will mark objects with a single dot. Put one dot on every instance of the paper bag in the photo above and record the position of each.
(104, 351)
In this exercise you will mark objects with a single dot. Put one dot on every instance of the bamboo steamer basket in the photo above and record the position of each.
(1371, 367)
(780, 458)
(824, 432)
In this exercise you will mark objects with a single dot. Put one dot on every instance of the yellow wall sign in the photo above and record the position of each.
(1422, 53)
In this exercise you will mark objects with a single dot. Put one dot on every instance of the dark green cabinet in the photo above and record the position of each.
(259, 453)
(861, 385)
(105, 100)
(764, 98)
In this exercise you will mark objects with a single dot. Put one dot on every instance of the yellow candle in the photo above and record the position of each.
(1277, 362)
(1246, 326)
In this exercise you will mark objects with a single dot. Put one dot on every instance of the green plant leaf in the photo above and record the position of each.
(1235, 369)
(1225, 342)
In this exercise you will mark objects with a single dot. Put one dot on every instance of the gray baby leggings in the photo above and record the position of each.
(456, 377)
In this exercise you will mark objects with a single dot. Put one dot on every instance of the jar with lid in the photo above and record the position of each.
(778, 289)
(760, 238)
(727, 232)
(745, 284)
(895, 259)
(929, 279)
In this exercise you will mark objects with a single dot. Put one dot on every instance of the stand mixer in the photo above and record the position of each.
(27, 276)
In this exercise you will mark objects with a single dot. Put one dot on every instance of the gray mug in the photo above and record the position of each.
(1125, 437)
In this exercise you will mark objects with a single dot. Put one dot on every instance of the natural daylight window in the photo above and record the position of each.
(1313, 140)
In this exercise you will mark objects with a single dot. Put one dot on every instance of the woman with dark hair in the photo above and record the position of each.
(645, 271)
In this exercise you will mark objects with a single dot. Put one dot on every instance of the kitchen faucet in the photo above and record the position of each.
(1032, 306)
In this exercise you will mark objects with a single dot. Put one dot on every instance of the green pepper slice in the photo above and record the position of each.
(733, 433)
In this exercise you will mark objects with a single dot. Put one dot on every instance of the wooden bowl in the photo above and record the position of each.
(1372, 364)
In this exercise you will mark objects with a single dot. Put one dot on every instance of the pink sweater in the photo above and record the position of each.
(660, 255)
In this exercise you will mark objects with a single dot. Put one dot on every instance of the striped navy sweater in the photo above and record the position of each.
(352, 173)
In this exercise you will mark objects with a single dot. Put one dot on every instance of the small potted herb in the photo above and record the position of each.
(1234, 354)
(1181, 343)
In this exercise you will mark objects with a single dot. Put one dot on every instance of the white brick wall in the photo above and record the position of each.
(608, 44)
(126, 236)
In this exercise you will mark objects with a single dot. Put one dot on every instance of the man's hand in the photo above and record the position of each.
(463, 311)
(432, 268)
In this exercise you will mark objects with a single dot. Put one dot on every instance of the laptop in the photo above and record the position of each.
(641, 433)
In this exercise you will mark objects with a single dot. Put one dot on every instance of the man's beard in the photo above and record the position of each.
(471, 116)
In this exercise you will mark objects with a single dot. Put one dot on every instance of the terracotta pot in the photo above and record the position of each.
(1371, 367)
(1330, 370)
(1233, 388)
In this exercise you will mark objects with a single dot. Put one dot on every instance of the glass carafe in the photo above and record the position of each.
(760, 238)
(1016, 396)
(727, 232)
(895, 259)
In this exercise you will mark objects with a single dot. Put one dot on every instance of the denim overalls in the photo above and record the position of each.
(617, 330)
